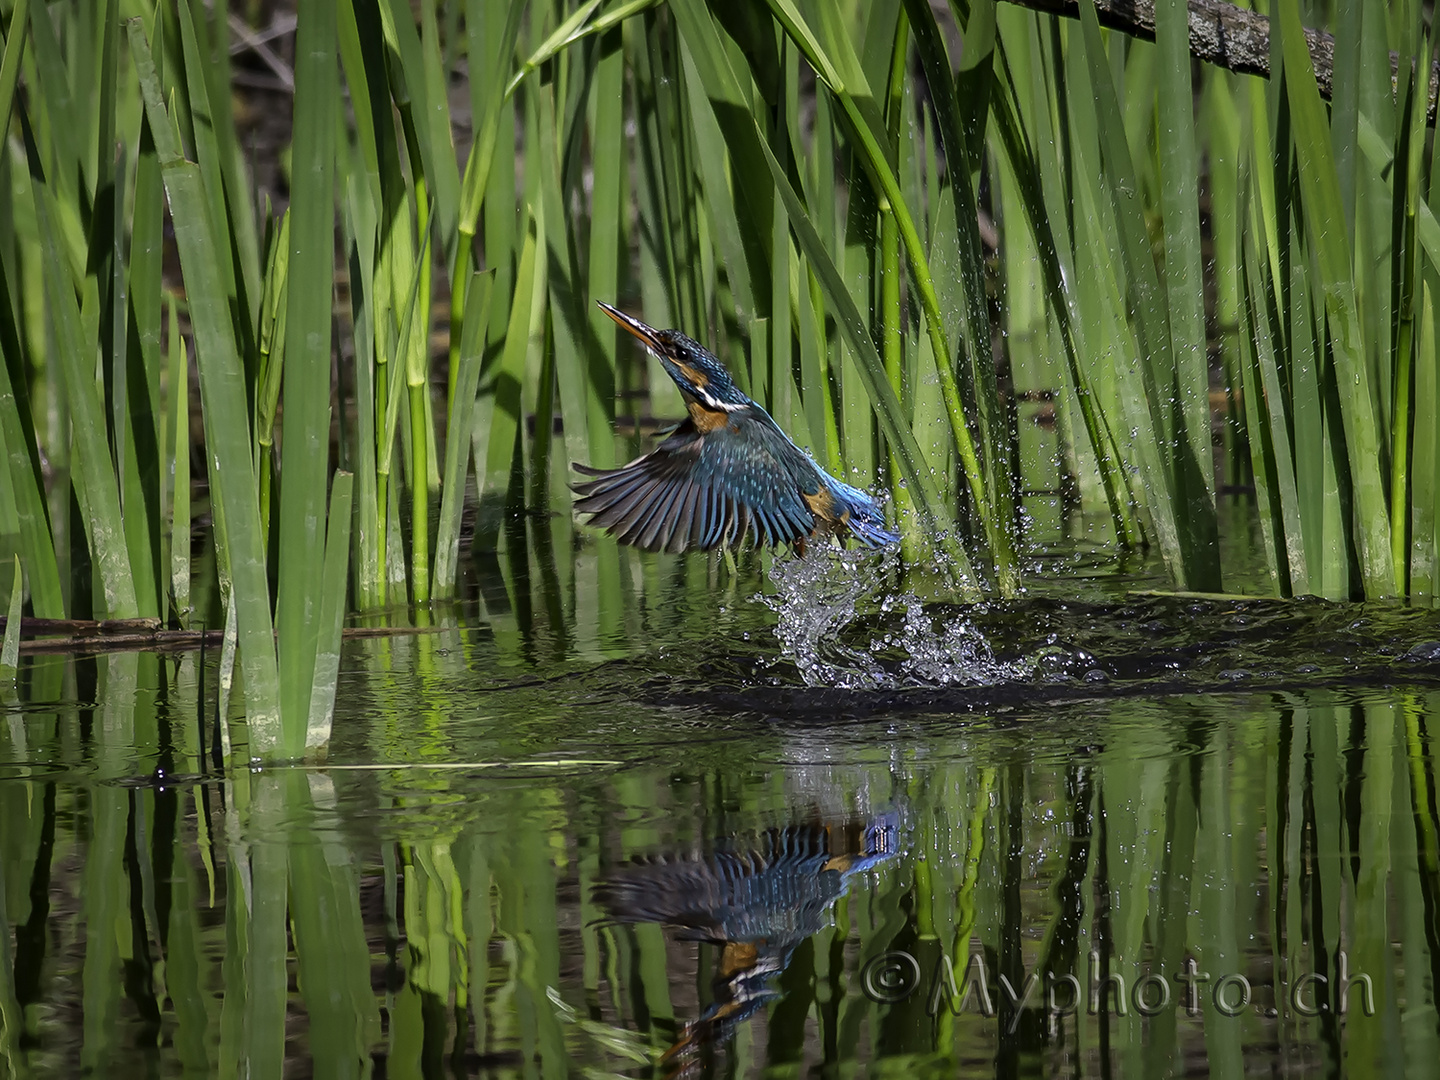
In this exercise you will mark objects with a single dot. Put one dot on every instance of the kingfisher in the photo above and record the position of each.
(724, 472)
(757, 898)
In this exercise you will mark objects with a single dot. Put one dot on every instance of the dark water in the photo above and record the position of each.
(614, 816)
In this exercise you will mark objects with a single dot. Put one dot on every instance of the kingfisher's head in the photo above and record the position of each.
(694, 368)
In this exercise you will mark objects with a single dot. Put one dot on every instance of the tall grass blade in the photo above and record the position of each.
(270, 374)
(178, 453)
(458, 433)
(1179, 199)
(846, 80)
(360, 224)
(586, 383)
(210, 157)
(222, 384)
(213, 38)
(607, 196)
(1185, 514)
(1425, 475)
(144, 321)
(489, 56)
(504, 435)
(329, 620)
(25, 483)
(1324, 216)
(568, 32)
(1035, 166)
(1272, 464)
(10, 65)
(66, 154)
(94, 469)
(419, 92)
(973, 338)
(10, 646)
(310, 264)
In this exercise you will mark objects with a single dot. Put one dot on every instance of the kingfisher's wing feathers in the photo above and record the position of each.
(701, 489)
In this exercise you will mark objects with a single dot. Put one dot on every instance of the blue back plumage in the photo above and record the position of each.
(726, 472)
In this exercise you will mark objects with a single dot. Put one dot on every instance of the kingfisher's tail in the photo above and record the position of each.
(865, 518)
(870, 534)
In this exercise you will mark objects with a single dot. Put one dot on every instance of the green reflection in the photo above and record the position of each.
(578, 821)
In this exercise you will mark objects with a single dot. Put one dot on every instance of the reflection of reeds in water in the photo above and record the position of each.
(1271, 837)
(756, 901)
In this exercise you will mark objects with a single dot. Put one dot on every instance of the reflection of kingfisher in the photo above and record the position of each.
(757, 905)
(726, 471)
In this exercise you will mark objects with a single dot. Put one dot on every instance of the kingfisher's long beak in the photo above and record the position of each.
(647, 335)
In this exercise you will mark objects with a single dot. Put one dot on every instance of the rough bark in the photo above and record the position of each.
(1221, 34)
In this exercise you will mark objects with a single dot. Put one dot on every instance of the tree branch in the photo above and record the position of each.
(1221, 34)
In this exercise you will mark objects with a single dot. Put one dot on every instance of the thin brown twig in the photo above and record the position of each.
(245, 38)
(128, 635)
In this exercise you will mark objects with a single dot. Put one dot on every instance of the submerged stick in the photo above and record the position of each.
(128, 635)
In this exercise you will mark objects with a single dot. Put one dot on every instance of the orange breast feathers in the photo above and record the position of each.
(822, 504)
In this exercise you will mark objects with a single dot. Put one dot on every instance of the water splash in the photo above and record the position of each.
(825, 604)
(949, 649)
(815, 599)
(844, 626)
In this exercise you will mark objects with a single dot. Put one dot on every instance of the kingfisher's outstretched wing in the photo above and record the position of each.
(706, 488)
(776, 889)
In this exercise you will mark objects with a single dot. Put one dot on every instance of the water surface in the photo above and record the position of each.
(618, 815)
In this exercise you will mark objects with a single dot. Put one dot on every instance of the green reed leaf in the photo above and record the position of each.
(961, 245)
(458, 434)
(419, 91)
(10, 65)
(210, 157)
(360, 226)
(608, 205)
(330, 616)
(95, 481)
(586, 383)
(1185, 514)
(1179, 199)
(1270, 429)
(487, 75)
(1425, 453)
(505, 434)
(178, 453)
(1035, 161)
(309, 261)
(872, 144)
(569, 31)
(1329, 239)
(10, 646)
(227, 432)
(22, 462)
